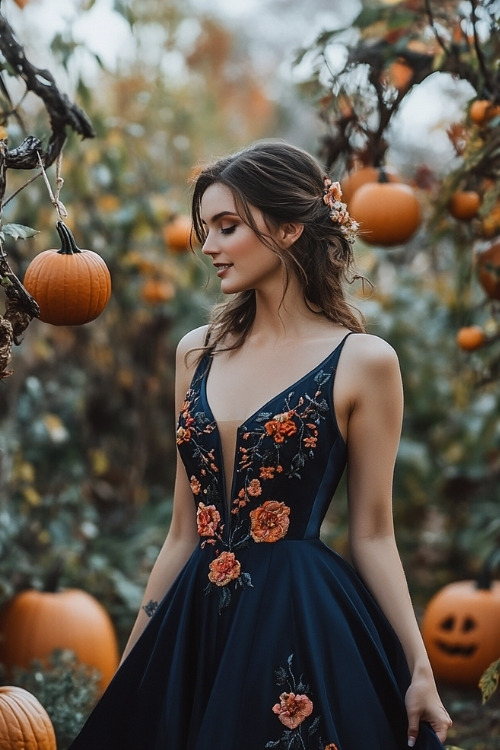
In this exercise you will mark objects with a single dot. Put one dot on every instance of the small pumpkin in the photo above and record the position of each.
(177, 233)
(389, 212)
(488, 270)
(24, 723)
(464, 204)
(36, 623)
(470, 338)
(361, 176)
(157, 291)
(460, 628)
(71, 286)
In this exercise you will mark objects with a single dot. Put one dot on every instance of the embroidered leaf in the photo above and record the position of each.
(224, 598)
(321, 378)
(281, 676)
(314, 726)
(242, 542)
(263, 416)
(271, 743)
(246, 580)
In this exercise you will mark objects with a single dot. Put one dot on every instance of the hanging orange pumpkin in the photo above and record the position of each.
(71, 286)
(388, 212)
(361, 176)
(488, 270)
(36, 623)
(461, 629)
(24, 723)
(464, 204)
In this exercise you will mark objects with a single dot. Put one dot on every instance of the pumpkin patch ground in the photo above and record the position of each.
(475, 727)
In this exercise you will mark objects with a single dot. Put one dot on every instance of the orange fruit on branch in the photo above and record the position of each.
(470, 338)
(177, 233)
(389, 212)
(361, 176)
(464, 204)
(488, 270)
(157, 291)
(71, 286)
(481, 111)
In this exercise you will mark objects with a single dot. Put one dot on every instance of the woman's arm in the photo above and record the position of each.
(373, 432)
(182, 535)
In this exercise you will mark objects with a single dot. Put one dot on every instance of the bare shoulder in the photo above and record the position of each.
(188, 350)
(369, 362)
(370, 353)
(194, 339)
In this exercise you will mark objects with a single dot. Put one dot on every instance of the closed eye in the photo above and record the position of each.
(228, 230)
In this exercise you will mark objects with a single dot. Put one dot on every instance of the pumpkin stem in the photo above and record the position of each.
(484, 578)
(51, 583)
(382, 176)
(68, 244)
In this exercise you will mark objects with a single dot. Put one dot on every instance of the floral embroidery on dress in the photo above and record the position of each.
(295, 706)
(260, 460)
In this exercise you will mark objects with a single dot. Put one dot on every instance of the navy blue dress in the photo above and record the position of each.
(268, 638)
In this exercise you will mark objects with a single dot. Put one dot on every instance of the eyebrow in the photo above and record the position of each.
(220, 215)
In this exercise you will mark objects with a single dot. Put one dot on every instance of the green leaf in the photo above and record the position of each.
(488, 684)
(17, 231)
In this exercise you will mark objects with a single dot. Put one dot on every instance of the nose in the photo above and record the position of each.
(209, 246)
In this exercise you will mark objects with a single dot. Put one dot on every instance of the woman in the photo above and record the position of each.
(253, 633)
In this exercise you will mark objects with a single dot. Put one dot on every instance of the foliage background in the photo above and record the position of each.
(86, 431)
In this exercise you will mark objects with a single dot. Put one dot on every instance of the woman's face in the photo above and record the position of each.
(241, 259)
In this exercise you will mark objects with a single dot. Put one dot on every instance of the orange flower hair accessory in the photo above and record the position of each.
(338, 210)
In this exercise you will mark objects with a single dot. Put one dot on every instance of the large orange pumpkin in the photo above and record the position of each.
(361, 176)
(24, 723)
(461, 629)
(488, 270)
(71, 286)
(389, 212)
(36, 623)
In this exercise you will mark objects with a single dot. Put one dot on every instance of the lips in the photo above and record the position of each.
(222, 267)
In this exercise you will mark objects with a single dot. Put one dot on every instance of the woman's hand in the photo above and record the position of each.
(424, 704)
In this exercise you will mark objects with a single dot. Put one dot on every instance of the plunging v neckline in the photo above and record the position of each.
(243, 425)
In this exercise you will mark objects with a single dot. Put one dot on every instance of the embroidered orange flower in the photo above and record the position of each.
(183, 436)
(195, 485)
(254, 489)
(207, 518)
(281, 426)
(224, 569)
(310, 442)
(267, 472)
(331, 746)
(293, 709)
(270, 521)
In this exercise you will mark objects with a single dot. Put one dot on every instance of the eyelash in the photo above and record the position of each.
(228, 230)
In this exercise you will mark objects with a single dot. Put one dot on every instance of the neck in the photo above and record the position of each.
(281, 316)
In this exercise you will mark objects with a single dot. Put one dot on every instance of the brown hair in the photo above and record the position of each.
(285, 184)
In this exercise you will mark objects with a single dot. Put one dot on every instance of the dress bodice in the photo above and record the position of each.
(288, 459)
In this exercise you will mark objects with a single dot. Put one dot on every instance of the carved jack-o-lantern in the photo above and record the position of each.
(461, 629)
